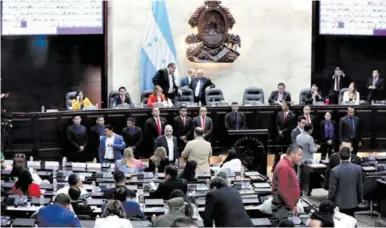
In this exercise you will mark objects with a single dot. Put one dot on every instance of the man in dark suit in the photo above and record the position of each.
(186, 81)
(182, 125)
(339, 81)
(334, 161)
(375, 87)
(313, 95)
(279, 96)
(311, 119)
(120, 180)
(235, 120)
(349, 128)
(169, 142)
(154, 127)
(165, 79)
(204, 122)
(224, 206)
(132, 134)
(172, 182)
(285, 122)
(122, 98)
(346, 184)
(77, 138)
(299, 129)
(199, 85)
(96, 132)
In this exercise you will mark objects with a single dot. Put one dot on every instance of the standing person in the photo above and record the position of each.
(285, 184)
(186, 81)
(94, 138)
(166, 80)
(327, 135)
(224, 206)
(111, 146)
(346, 184)
(235, 120)
(198, 150)
(375, 87)
(199, 85)
(169, 142)
(132, 134)
(182, 125)
(299, 129)
(350, 128)
(77, 138)
(339, 81)
(154, 127)
(204, 122)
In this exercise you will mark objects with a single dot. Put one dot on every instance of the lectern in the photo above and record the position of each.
(251, 148)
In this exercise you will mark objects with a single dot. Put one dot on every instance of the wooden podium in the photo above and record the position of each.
(251, 148)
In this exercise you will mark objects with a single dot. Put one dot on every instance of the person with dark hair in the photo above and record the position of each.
(176, 211)
(199, 85)
(127, 198)
(79, 207)
(77, 137)
(120, 180)
(235, 120)
(328, 133)
(80, 101)
(285, 183)
(189, 206)
(318, 220)
(122, 98)
(58, 214)
(189, 172)
(169, 142)
(132, 134)
(224, 206)
(328, 208)
(375, 87)
(111, 146)
(198, 150)
(286, 223)
(24, 185)
(74, 181)
(313, 96)
(182, 125)
(279, 96)
(166, 80)
(204, 122)
(350, 128)
(187, 80)
(346, 184)
(154, 127)
(159, 160)
(96, 133)
(299, 129)
(113, 214)
(231, 162)
(184, 222)
(171, 183)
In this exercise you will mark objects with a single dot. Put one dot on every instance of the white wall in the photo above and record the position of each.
(275, 36)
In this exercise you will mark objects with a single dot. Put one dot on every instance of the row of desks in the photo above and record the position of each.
(45, 131)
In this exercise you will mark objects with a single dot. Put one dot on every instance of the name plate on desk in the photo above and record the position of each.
(51, 165)
(94, 166)
(78, 166)
(34, 164)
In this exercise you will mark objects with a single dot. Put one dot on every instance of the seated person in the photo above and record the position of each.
(132, 208)
(190, 207)
(184, 222)
(120, 180)
(122, 98)
(24, 185)
(231, 162)
(314, 95)
(176, 211)
(113, 215)
(189, 172)
(351, 94)
(58, 214)
(19, 164)
(80, 101)
(159, 160)
(318, 220)
(279, 96)
(79, 207)
(328, 208)
(74, 181)
(171, 183)
(128, 163)
(158, 97)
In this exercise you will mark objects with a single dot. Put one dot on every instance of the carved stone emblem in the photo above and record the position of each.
(213, 43)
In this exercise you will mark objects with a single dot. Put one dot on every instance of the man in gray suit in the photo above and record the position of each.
(346, 184)
(299, 129)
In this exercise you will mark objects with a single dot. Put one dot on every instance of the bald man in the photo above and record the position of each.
(205, 122)
(169, 142)
(199, 85)
(185, 81)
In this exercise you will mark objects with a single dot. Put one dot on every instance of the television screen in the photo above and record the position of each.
(352, 17)
(52, 17)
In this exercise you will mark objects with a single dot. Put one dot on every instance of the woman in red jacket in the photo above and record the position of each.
(158, 96)
(24, 185)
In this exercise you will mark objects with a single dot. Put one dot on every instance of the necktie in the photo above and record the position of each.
(203, 124)
(132, 131)
(308, 119)
(78, 129)
(374, 82)
(122, 100)
(237, 121)
(337, 83)
(280, 97)
(159, 127)
(198, 88)
(353, 126)
(184, 121)
(285, 115)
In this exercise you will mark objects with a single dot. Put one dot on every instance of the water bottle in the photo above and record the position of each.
(176, 162)
(141, 202)
(43, 108)
(199, 104)
(242, 177)
(114, 105)
(55, 184)
(31, 158)
(153, 217)
(93, 185)
(64, 160)
(156, 172)
(141, 106)
(96, 106)
(41, 201)
(94, 161)
(208, 182)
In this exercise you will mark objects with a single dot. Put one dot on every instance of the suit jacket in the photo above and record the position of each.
(165, 188)
(346, 185)
(117, 100)
(310, 101)
(287, 124)
(198, 150)
(185, 81)
(118, 146)
(294, 133)
(231, 121)
(346, 129)
(226, 208)
(180, 129)
(161, 141)
(76, 138)
(132, 140)
(275, 94)
(375, 94)
(205, 83)
(208, 125)
(161, 78)
(93, 142)
(167, 219)
(151, 127)
(306, 141)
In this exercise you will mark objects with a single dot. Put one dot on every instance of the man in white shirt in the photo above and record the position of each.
(111, 146)
(169, 142)
(74, 181)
